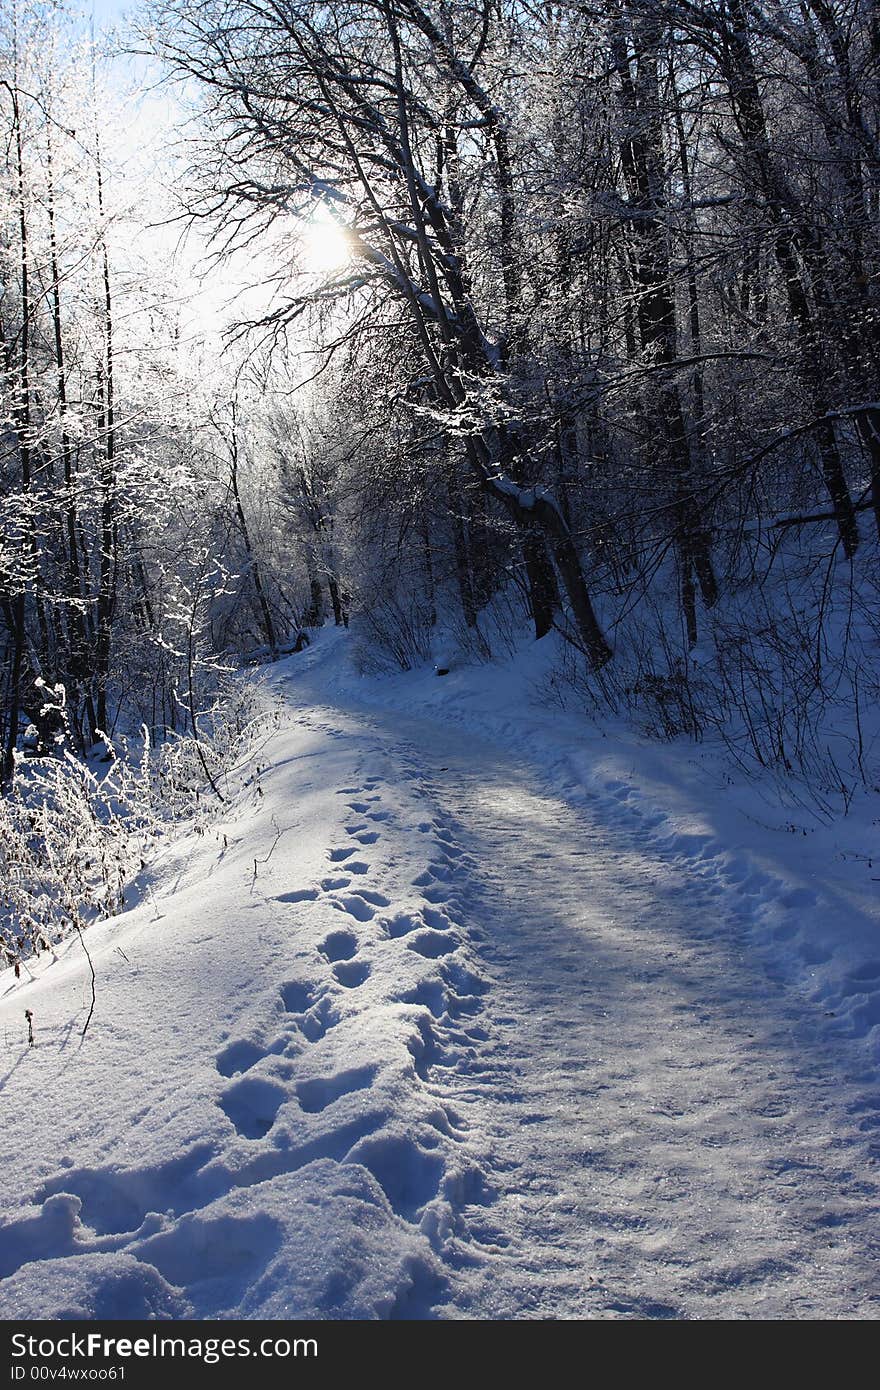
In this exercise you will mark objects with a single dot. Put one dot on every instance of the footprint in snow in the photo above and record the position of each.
(444, 872)
(377, 899)
(436, 918)
(866, 973)
(226, 1252)
(315, 1095)
(339, 945)
(462, 980)
(297, 996)
(298, 895)
(115, 1201)
(435, 893)
(351, 973)
(355, 906)
(814, 955)
(369, 838)
(402, 924)
(433, 944)
(409, 1176)
(252, 1105)
(785, 932)
(239, 1056)
(336, 856)
(429, 994)
(317, 1023)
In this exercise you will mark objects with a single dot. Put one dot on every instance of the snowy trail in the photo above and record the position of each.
(430, 1031)
(667, 1131)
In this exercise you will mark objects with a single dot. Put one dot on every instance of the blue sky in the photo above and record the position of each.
(108, 11)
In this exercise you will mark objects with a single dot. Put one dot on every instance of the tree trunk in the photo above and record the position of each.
(643, 165)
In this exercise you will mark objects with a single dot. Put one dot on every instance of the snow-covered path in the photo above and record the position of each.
(427, 1030)
(663, 1129)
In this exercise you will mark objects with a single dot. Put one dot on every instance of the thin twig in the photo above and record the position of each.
(92, 968)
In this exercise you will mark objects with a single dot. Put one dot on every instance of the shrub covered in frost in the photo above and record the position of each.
(74, 833)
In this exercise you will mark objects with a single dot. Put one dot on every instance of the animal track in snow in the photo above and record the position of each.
(316, 1094)
(339, 945)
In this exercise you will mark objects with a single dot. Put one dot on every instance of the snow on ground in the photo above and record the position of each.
(463, 1010)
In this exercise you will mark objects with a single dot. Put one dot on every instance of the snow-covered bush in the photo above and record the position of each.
(75, 833)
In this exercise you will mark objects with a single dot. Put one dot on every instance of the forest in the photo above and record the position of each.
(476, 403)
(531, 317)
(567, 311)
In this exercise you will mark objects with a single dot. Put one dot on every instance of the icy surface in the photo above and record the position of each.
(463, 1010)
